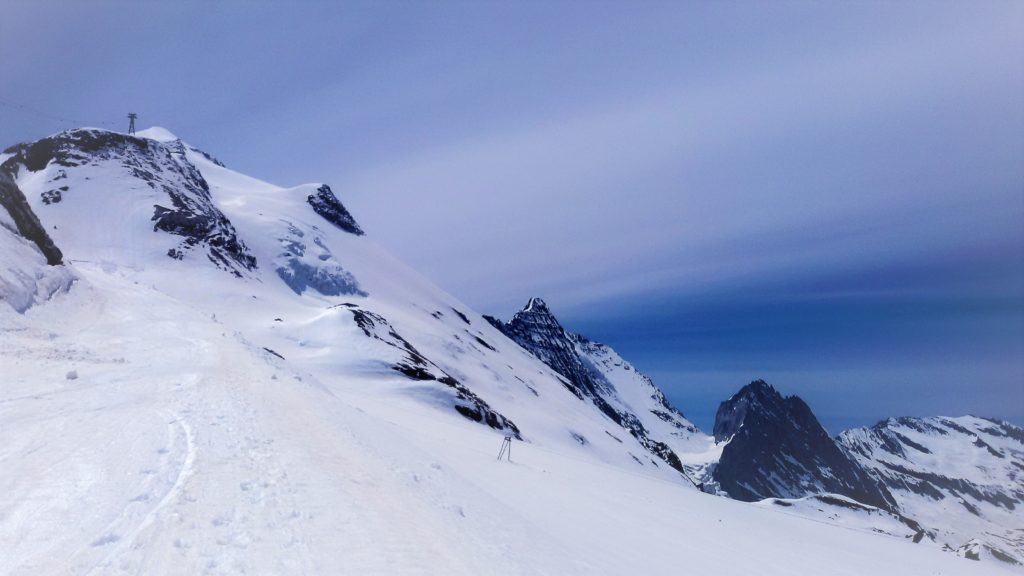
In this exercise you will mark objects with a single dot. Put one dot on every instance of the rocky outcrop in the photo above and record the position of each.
(327, 205)
(26, 222)
(778, 449)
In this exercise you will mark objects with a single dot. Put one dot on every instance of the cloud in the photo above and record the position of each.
(701, 180)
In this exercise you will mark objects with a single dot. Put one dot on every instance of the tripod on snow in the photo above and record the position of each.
(506, 449)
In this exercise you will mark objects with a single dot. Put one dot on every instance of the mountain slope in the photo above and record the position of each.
(594, 373)
(962, 476)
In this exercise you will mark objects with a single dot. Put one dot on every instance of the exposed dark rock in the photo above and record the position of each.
(538, 331)
(777, 448)
(461, 315)
(53, 196)
(270, 351)
(495, 322)
(482, 342)
(327, 205)
(14, 201)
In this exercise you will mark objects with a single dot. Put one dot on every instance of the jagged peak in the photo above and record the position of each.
(759, 395)
(756, 389)
(536, 304)
(759, 386)
(536, 312)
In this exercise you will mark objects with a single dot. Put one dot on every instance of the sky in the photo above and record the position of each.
(829, 196)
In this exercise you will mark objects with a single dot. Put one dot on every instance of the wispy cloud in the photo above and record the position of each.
(783, 161)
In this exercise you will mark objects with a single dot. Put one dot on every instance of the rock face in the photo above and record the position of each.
(326, 204)
(594, 373)
(26, 222)
(537, 330)
(32, 270)
(182, 205)
(962, 476)
(777, 449)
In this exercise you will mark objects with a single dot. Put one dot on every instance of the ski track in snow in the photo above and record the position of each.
(176, 430)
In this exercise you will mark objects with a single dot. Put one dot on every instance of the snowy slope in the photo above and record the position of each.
(847, 512)
(632, 391)
(962, 477)
(240, 381)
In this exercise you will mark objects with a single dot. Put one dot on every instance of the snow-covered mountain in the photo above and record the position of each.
(594, 373)
(222, 376)
(962, 477)
(775, 447)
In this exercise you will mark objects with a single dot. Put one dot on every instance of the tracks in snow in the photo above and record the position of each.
(179, 454)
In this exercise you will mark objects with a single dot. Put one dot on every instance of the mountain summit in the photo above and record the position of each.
(777, 448)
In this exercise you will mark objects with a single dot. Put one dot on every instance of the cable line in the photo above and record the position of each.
(25, 108)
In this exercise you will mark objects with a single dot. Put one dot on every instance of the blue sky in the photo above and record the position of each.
(826, 195)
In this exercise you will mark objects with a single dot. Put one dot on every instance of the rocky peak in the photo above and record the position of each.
(537, 306)
(537, 330)
(537, 316)
(758, 395)
(777, 448)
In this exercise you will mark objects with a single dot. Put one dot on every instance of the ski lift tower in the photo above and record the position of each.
(131, 122)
